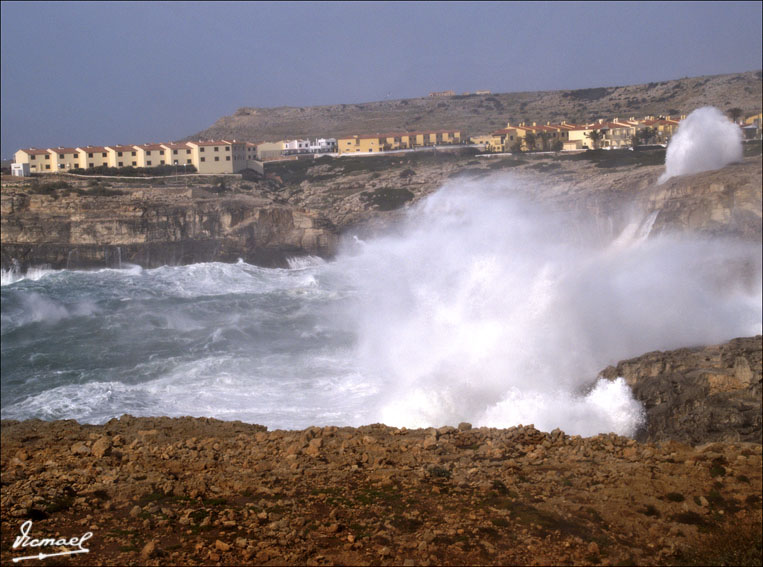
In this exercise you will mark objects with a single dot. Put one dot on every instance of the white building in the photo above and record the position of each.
(323, 146)
(20, 169)
(296, 147)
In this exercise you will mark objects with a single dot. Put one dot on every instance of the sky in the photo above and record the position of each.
(78, 73)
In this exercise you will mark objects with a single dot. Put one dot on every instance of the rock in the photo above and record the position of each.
(80, 449)
(149, 550)
(102, 447)
(221, 546)
(464, 426)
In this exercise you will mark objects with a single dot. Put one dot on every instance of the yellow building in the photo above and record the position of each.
(270, 150)
(39, 160)
(93, 156)
(178, 153)
(122, 156)
(62, 159)
(150, 155)
(218, 156)
(358, 144)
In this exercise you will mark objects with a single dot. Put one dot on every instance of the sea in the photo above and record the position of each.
(478, 306)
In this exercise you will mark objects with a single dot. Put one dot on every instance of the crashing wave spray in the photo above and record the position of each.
(486, 310)
(705, 140)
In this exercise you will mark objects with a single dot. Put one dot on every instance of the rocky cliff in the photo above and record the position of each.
(699, 395)
(154, 228)
(304, 207)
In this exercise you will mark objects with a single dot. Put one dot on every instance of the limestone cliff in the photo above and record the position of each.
(80, 231)
(698, 395)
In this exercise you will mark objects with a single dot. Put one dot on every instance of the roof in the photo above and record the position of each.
(93, 148)
(64, 150)
(35, 151)
(177, 146)
(121, 148)
(151, 147)
(211, 143)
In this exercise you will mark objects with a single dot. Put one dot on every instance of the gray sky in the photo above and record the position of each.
(105, 73)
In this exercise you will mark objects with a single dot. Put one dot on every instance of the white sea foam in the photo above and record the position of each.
(705, 140)
(478, 308)
(490, 311)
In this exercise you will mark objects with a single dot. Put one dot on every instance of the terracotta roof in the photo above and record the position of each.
(93, 149)
(35, 152)
(64, 150)
(177, 146)
(151, 147)
(211, 143)
(121, 148)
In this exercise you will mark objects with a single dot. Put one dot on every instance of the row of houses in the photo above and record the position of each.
(210, 156)
(232, 156)
(613, 134)
(218, 156)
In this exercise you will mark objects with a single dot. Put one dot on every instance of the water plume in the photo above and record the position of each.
(705, 140)
(486, 309)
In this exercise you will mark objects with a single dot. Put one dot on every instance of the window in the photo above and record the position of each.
(203, 159)
(47, 166)
(227, 148)
(174, 152)
(189, 161)
(120, 163)
(147, 163)
(119, 154)
(134, 163)
(161, 162)
(89, 155)
(201, 149)
(134, 154)
(227, 158)
(217, 149)
(91, 165)
(103, 154)
(188, 152)
(217, 158)
(33, 157)
(47, 156)
(61, 156)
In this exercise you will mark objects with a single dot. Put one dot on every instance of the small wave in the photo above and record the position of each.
(303, 262)
(13, 274)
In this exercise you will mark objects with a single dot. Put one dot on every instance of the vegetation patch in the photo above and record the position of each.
(386, 198)
(588, 94)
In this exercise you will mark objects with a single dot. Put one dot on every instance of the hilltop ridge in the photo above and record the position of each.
(479, 114)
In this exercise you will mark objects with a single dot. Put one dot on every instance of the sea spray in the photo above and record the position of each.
(705, 140)
(479, 307)
(486, 309)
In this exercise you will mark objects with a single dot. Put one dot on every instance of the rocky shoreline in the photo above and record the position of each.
(198, 491)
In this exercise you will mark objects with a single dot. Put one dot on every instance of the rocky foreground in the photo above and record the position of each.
(200, 491)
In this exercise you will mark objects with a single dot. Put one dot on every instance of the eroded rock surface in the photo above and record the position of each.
(699, 395)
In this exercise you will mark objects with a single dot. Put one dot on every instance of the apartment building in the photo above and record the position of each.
(94, 156)
(178, 153)
(218, 156)
(397, 141)
(38, 160)
(122, 156)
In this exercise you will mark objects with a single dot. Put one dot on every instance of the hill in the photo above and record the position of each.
(478, 114)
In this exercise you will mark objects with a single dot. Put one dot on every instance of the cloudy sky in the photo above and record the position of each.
(102, 73)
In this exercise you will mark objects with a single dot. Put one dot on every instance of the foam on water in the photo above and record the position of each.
(479, 308)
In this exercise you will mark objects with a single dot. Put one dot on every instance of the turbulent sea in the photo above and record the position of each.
(477, 308)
